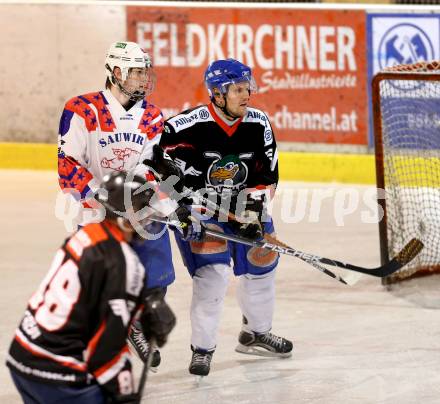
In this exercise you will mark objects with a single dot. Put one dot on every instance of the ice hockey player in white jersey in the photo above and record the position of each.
(114, 130)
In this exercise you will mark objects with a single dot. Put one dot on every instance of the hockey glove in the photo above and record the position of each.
(189, 230)
(165, 167)
(157, 319)
(248, 225)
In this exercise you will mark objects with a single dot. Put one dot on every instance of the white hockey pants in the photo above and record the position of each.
(255, 293)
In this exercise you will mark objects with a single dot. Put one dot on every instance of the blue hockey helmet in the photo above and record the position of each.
(221, 73)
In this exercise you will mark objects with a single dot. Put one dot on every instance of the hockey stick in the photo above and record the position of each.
(213, 207)
(145, 369)
(407, 254)
(251, 243)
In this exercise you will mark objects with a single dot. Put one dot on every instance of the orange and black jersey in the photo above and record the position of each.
(75, 327)
(221, 158)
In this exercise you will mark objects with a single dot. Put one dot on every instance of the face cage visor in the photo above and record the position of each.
(223, 87)
(129, 84)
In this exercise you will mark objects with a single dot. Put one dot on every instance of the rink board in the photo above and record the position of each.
(409, 171)
(315, 167)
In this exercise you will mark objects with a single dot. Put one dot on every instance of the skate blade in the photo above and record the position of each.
(198, 380)
(154, 369)
(255, 350)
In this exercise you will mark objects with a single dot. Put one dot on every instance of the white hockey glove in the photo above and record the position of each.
(189, 229)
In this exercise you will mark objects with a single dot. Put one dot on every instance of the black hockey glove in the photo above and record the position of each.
(189, 230)
(157, 319)
(165, 167)
(248, 225)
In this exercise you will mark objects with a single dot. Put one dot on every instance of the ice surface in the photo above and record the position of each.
(352, 344)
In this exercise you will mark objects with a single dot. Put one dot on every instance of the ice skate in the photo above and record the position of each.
(142, 347)
(200, 363)
(267, 344)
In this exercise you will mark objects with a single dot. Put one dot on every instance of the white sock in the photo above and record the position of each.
(209, 288)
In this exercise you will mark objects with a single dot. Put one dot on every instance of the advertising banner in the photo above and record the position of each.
(309, 64)
(411, 122)
(395, 39)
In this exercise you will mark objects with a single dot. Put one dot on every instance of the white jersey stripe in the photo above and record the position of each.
(274, 160)
(113, 370)
(135, 271)
(156, 120)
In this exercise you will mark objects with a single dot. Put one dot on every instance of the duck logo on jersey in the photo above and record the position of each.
(118, 162)
(227, 175)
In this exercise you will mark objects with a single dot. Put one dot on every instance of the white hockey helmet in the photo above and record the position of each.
(127, 55)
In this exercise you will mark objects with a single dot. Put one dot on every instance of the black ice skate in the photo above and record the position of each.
(266, 344)
(142, 347)
(200, 362)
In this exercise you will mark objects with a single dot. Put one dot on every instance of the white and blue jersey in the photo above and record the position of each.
(98, 136)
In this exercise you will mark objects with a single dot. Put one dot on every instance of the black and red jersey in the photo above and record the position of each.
(75, 326)
(221, 158)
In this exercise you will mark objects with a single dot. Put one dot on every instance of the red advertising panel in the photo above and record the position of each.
(310, 65)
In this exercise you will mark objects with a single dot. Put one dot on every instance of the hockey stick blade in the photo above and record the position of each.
(406, 255)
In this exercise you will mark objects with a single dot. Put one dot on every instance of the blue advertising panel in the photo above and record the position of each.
(414, 122)
(395, 39)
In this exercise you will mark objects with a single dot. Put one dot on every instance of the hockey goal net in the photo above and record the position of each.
(406, 107)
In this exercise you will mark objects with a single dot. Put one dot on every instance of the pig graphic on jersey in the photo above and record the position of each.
(118, 162)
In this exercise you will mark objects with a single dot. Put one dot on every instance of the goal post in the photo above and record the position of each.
(406, 116)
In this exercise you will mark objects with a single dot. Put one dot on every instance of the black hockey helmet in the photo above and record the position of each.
(123, 194)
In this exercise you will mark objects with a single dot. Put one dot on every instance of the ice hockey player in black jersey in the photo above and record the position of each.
(227, 150)
(71, 344)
